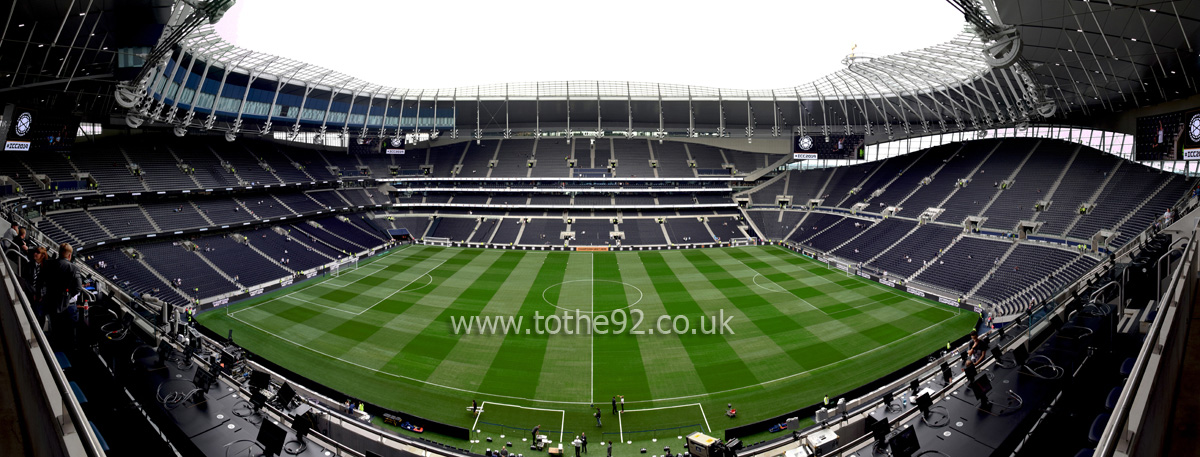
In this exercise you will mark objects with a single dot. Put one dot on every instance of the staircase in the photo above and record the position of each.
(1054, 187)
(274, 261)
(935, 259)
(889, 248)
(881, 165)
(240, 181)
(970, 175)
(1095, 196)
(855, 237)
(98, 224)
(1144, 201)
(1003, 308)
(141, 259)
(1010, 177)
(995, 267)
(148, 218)
(290, 161)
(205, 216)
(931, 176)
(323, 229)
(280, 202)
(191, 176)
(219, 271)
(129, 161)
(835, 224)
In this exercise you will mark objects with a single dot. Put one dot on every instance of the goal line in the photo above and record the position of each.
(621, 421)
(483, 409)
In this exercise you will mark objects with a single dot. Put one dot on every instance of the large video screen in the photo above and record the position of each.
(838, 147)
(1170, 136)
(375, 145)
(29, 130)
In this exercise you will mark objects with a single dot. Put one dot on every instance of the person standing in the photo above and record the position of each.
(598, 424)
(576, 443)
(62, 289)
(583, 441)
(37, 282)
(536, 428)
(622, 402)
(610, 448)
(614, 403)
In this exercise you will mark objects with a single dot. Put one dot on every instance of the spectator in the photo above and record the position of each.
(11, 234)
(62, 291)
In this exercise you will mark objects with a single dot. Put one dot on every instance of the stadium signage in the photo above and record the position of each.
(311, 274)
(862, 274)
(395, 151)
(285, 282)
(19, 146)
(592, 248)
(917, 292)
(803, 156)
(843, 268)
(1188, 154)
(948, 301)
(223, 301)
(256, 291)
(887, 282)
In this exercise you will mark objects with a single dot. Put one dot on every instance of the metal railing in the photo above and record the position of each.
(55, 422)
(1139, 422)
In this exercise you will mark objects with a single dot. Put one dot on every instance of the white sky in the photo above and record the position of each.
(434, 44)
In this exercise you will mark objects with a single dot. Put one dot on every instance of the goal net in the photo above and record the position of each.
(347, 264)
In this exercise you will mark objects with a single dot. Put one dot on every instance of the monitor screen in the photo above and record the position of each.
(202, 379)
(972, 373)
(271, 437)
(981, 387)
(905, 443)
(260, 380)
(257, 399)
(924, 403)
(286, 395)
(1020, 354)
(880, 429)
(302, 424)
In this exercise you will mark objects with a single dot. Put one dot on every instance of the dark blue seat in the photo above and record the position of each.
(1127, 366)
(63, 361)
(1098, 428)
(79, 396)
(1113, 396)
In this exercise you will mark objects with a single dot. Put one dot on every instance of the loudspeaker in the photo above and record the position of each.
(793, 423)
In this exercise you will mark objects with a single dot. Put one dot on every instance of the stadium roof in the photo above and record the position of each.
(1109, 55)
(924, 70)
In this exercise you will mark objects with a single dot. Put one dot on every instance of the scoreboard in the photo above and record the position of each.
(1189, 144)
(1170, 136)
(837, 147)
(28, 130)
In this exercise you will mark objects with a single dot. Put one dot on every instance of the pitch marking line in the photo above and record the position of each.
(755, 280)
(562, 425)
(404, 287)
(621, 424)
(535, 400)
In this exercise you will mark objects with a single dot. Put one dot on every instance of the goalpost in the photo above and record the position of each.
(350, 263)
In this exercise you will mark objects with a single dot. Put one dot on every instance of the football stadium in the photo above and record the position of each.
(365, 228)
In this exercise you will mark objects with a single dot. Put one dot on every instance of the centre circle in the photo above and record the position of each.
(593, 295)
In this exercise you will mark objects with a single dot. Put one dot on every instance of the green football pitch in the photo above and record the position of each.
(789, 331)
